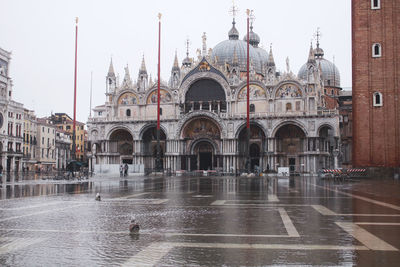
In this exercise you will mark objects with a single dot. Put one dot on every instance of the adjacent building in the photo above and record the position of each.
(30, 140)
(63, 149)
(64, 122)
(376, 83)
(11, 120)
(46, 149)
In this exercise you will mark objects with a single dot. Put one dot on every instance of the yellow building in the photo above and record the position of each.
(64, 122)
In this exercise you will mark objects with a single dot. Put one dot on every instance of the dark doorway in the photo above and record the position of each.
(292, 165)
(205, 159)
(127, 161)
(254, 156)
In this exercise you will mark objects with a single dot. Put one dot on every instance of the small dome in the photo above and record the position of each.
(187, 62)
(254, 39)
(330, 72)
(233, 33)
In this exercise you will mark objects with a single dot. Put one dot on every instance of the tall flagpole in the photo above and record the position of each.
(74, 122)
(158, 157)
(248, 165)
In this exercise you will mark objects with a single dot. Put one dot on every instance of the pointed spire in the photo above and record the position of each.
(111, 72)
(176, 63)
(271, 61)
(311, 56)
(127, 82)
(143, 67)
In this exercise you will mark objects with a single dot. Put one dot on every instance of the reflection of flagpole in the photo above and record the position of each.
(74, 121)
(158, 157)
(248, 98)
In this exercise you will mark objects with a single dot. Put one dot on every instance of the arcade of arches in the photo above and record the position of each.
(201, 147)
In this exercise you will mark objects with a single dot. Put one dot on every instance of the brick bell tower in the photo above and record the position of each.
(376, 82)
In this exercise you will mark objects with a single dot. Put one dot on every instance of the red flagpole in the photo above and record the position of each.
(248, 75)
(74, 122)
(158, 84)
(247, 164)
(158, 165)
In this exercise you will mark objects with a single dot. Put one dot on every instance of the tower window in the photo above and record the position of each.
(160, 111)
(376, 50)
(377, 99)
(375, 4)
(128, 112)
(252, 108)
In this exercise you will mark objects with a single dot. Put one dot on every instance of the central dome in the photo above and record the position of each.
(232, 50)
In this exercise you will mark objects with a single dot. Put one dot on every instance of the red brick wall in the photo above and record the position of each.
(376, 130)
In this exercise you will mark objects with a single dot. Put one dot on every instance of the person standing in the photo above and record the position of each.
(121, 170)
(126, 169)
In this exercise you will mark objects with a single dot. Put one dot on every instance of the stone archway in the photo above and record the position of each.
(290, 140)
(257, 144)
(201, 137)
(204, 152)
(149, 146)
(121, 143)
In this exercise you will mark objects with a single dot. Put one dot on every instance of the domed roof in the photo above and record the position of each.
(232, 49)
(254, 39)
(330, 72)
(263, 55)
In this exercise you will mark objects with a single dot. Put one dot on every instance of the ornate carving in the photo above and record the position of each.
(200, 113)
(204, 66)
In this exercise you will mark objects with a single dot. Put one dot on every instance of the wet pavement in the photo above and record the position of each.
(200, 221)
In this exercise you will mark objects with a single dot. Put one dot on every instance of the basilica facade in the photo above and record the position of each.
(203, 113)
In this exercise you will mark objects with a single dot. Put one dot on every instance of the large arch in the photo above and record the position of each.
(191, 79)
(256, 148)
(292, 122)
(199, 114)
(121, 144)
(202, 139)
(289, 146)
(149, 145)
(205, 94)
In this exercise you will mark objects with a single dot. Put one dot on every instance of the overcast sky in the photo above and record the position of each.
(41, 36)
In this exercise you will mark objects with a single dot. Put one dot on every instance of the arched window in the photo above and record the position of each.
(252, 108)
(288, 106)
(128, 112)
(375, 4)
(377, 99)
(376, 50)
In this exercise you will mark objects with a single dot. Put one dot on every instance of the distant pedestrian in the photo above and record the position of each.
(126, 169)
(121, 170)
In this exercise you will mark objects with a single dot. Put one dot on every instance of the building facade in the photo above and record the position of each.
(63, 149)
(376, 83)
(46, 150)
(11, 120)
(64, 122)
(30, 140)
(203, 113)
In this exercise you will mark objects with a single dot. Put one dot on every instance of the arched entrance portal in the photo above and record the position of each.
(204, 152)
(121, 142)
(149, 146)
(290, 147)
(202, 138)
(257, 146)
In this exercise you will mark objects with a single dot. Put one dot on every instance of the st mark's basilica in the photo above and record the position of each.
(203, 113)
